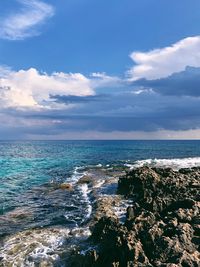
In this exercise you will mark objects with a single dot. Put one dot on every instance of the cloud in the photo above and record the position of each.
(25, 22)
(67, 99)
(163, 103)
(102, 79)
(184, 83)
(31, 89)
(160, 63)
(124, 114)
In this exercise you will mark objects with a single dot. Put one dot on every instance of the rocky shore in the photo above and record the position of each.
(162, 226)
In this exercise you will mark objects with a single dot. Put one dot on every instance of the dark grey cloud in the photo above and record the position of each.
(68, 99)
(172, 104)
(185, 83)
(121, 112)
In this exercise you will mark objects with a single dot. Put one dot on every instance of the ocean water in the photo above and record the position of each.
(31, 198)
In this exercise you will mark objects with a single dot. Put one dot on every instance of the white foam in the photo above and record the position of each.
(176, 163)
(81, 232)
(120, 210)
(99, 165)
(77, 174)
(26, 248)
(85, 191)
(99, 183)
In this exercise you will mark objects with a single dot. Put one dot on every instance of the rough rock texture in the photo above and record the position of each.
(162, 226)
(65, 186)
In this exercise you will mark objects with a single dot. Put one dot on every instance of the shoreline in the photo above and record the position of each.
(131, 210)
(162, 226)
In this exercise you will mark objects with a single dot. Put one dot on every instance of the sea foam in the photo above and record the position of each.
(175, 163)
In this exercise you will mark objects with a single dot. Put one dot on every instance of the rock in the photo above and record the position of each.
(162, 227)
(158, 193)
(118, 246)
(130, 214)
(85, 179)
(104, 207)
(65, 186)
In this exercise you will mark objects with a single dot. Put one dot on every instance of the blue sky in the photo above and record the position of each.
(85, 69)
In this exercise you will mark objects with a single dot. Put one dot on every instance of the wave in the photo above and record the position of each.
(40, 247)
(175, 163)
(86, 201)
(83, 189)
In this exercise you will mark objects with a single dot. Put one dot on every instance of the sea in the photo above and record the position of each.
(40, 220)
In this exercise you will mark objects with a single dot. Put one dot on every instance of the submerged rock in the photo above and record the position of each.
(65, 186)
(162, 227)
(85, 179)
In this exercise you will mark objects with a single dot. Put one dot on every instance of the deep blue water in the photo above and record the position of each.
(32, 164)
(24, 164)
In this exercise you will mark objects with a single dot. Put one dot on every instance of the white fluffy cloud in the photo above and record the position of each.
(22, 24)
(29, 88)
(34, 90)
(160, 63)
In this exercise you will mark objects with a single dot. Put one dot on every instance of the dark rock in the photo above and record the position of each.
(162, 226)
(85, 179)
(130, 215)
(157, 189)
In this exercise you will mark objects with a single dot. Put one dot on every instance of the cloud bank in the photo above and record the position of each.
(160, 63)
(31, 89)
(184, 83)
(161, 102)
(25, 22)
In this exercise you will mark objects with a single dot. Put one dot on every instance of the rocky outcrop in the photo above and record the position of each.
(162, 227)
(65, 186)
(85, 179)
(160, 189)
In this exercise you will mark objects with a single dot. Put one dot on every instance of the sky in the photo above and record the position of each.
(85, 69)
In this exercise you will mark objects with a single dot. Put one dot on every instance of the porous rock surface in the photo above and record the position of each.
(162, 227)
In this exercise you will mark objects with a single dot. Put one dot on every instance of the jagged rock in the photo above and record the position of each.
(104, 207)
(162, 227)
(118, 246)
(158, 189)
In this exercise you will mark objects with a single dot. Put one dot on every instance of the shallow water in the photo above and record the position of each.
(34, 209)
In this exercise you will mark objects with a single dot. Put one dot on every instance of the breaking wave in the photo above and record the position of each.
(175, 163)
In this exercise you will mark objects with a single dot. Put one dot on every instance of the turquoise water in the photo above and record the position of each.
(39, 221)
(26, 167)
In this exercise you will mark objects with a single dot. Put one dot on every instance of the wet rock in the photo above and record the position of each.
(162, 227)
(130, 213)
(104, 207)
(118, 246)
(157, 190)
(65, 186)
(86, 179)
